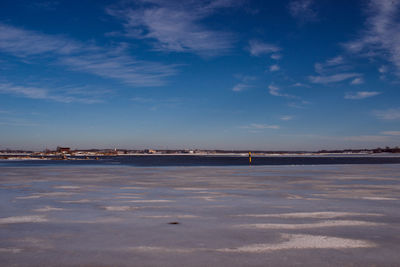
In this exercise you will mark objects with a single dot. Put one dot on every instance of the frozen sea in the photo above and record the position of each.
(68, 214)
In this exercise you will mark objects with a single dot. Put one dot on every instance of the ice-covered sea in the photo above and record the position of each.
(104, 215)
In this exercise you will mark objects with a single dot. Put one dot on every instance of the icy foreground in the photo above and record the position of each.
(200, 216)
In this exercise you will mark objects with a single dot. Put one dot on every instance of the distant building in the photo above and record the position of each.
(64, 150)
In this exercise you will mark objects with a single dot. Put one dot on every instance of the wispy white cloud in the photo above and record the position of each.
(322, 79)
(122, 68)
(240, 87)
(258, 48)
(360, 95)
(245, 78)
(303, 10)
(23, 43)
(334, 70)
(301, 104)
(274, 90)
(388, 114)
(258, 126)
(175, 25)
(364, 138)
(17, 122)
(244, 84)
(335, 61)
(357, 80)
(156, 103)
(300, 85)
(286, 117)
(113, 62)
(44, 5)
(383, 69)
(395, 133)
(46, 94)
(274, 67)
(277, 91)
(332, 65)
(276, 56)
(139, 99)
(380, 38)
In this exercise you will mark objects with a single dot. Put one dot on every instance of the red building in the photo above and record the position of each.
(64, 150)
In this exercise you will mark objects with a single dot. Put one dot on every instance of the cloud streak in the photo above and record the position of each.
(303, 10)
(257, 48)
(112, 63)
(241, 87)
(331, 65)
(274, 67)
(394, 133)
(388, 114)
(45, 94)
(276, 56)
(360, 95)
(286, 118)
(258, 126)
(244, 84)
(174, 25)
(357, 81)
(334, 70)
(326, 79)
(380, 38)
(276, 91)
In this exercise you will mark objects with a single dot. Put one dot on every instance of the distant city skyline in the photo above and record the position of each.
(214, 74)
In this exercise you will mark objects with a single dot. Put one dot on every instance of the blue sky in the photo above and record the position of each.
(270, 75)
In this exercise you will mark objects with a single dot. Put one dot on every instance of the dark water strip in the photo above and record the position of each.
(193, 160)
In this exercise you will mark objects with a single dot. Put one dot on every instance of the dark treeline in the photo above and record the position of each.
(375, 150)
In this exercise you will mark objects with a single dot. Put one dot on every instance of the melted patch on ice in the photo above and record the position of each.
(303, 242)
(51, 194)
(334, 223)
(119, 208)
(126, 197)
(47, 208)
(151, 249)
(67, 187)
(379, 198)
(320, 215)
(34, 243)
(183, 216)
(133, 187)
(191, 188)
(23, 219)
(289, 241)
(29, 197)
(97, 220)
(78, 201)
(210, 198)
(10, 250)
(150, 201)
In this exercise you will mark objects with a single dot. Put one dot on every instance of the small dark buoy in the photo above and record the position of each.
(173, 223)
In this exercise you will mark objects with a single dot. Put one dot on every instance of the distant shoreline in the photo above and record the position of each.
(288, 154)
(90, 156)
